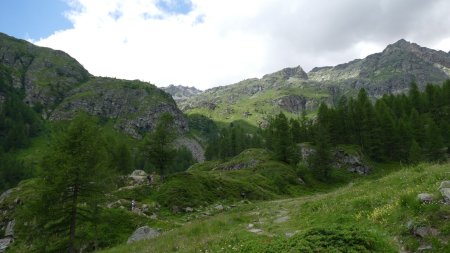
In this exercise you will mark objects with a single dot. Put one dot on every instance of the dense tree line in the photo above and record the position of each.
(407, 127)
(18, 124)
(230, 141)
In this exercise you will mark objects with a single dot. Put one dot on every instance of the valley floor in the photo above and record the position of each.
(385, 211)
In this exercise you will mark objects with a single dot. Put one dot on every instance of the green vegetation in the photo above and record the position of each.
(73, 179)
(18, 125)
(374, 217)
(397, 128)
(157, 144)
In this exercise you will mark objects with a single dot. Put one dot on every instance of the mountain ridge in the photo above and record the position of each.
(57, 85)
(294, 91)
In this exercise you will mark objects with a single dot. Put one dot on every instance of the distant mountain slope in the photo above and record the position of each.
(390, 71)
(181, 93)
(294, 91)
(134, 106)
(57, 83)
(45, 75)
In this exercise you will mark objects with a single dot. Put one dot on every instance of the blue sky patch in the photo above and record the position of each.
(175, 6)
(32, 19)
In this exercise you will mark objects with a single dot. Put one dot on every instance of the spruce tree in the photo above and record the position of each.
(158, 144)
(434, 143)
(321, 160)
(283, 146)
(415, 153)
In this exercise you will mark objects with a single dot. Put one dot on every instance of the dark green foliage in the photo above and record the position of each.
(203, 125)
(182, 161)
(231, 141)
(329, 239)
(434, 144)
(74, 177)
(415, 153)
(12, 171)
(397, 128)
(157, 146)
(18, 124)
(279, 140)
(321, 160)
(120, 156)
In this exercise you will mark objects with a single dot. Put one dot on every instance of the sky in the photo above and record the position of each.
(207, 43)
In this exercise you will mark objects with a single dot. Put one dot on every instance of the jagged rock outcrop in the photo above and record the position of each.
(293, 103)
(390, 71)
(134, 106)
(342, 159)
(287, 73)
(143, 233)
(44, 74)
(353, 162)
(181, 93)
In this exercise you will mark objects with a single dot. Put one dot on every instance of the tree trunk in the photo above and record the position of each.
(73, 220)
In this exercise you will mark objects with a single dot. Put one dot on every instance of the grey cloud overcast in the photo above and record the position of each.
(240, 39)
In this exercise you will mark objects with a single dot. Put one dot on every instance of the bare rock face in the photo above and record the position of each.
(4, 244)
(9, 231)
(134, 106)
(181, 93)
(353, 162)
(143, 233)
(293, 103)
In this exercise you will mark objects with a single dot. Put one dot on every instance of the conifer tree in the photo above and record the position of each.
(434, 143)
(321, 160)
(158, 144)
(295, 131)
(74, 178)
(415, 153)
(283, 146)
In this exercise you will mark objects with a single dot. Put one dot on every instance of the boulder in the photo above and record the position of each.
(353, 162)
(4, 244)
(425, 198)
(138, 177)
(444, 184)
(9, 231)
(143, 233)
(138, 173)
(281, 219)
(5, 195)
(446, 194)
(425, 232)
(219, 208)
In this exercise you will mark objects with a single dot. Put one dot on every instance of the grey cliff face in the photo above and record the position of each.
(134, 106)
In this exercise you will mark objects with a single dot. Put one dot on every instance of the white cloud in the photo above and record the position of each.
(219, 42)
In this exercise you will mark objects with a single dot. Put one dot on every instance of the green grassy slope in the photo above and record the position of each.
(373, 217)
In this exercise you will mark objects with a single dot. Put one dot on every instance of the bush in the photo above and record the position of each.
(334, 239)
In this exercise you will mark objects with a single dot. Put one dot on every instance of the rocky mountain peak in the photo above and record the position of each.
(181, 93)
(286, 73)
(402, 45)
